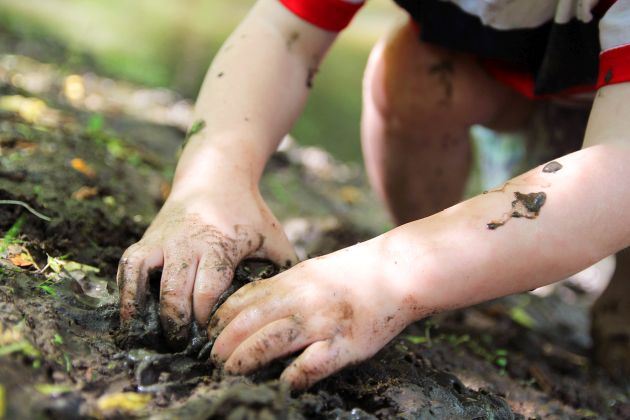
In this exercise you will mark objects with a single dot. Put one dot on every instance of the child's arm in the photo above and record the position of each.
(345, 306)
(215, 216)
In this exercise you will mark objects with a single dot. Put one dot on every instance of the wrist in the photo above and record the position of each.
(209, 170)
(409, 257)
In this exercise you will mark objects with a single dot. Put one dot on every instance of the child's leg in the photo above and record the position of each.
(419, 102)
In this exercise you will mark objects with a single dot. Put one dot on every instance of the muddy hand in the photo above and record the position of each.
(198, 244)
(341, 308)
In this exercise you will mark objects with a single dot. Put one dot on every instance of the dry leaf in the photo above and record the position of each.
(21, 260)
(25, 145)
(123, 401)
(73, 88)
(165, 190)
(80, 165)
(3, 404)
(84, 193)
(350, 194)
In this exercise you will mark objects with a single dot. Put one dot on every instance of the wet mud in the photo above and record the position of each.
(525, 205)
(64, 353)
(552, 167)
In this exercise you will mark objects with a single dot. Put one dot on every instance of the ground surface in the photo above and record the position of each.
(92, 183)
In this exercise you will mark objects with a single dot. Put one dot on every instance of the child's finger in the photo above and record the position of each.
(277, 248)
(247, 322)
(176, 287)
(213, 277)
(255, 291)
(133, 271)
(277, 339)
(319, 360)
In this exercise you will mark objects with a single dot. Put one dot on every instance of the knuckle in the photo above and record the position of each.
(174, 317)
(132, 251)
(170, 294)
(207, 295)
(260, 347)
(219, 267)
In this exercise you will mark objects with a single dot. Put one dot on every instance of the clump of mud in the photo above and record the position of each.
(145, 329)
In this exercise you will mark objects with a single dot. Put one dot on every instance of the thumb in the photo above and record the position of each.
(276, 248)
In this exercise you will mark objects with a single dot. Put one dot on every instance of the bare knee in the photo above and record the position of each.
(396, 83)
(410, 83)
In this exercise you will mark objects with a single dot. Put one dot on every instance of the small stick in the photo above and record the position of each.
(27, 207)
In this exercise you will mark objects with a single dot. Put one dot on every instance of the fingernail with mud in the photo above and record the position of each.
(176, 333)
(214, 328)
(216, 361)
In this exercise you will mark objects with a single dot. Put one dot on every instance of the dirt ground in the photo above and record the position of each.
(84, 165)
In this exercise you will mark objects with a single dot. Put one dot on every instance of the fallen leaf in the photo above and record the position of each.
(73, 88)
(10, 335)
(31, 109)
(521, 317)
(48, 289)
(350, 194)
(53, 389)
(21, 260)
(25, 145)
(109, 201)
(55, 264)
(84, 193)
(3, 405)
(123, 401)
(416, 339)
(75, 266)
(165, 190)
(80, 165)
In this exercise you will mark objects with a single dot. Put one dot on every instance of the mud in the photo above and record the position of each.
(145, 330)
(310, 76)
(552, 167)
(292, 39)
(63, 353)
(525, 205)
(443, 71)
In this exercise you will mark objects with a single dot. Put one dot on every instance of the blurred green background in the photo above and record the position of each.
(171, 43)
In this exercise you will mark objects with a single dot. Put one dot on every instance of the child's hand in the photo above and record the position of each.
(342, 308)
(199, 241)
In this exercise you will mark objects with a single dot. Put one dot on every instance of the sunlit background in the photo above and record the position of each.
(171, 43)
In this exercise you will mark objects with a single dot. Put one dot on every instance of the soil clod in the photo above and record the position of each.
(552, 167)
(525, 205)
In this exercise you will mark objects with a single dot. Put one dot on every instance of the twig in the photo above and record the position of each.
(27, 207)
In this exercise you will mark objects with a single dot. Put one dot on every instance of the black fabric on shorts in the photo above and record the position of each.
(559, 56)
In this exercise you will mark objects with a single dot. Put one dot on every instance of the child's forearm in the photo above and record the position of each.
(476, 251)
(454, 259)
(252, 94)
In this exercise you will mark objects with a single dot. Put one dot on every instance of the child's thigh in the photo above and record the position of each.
(413, 82)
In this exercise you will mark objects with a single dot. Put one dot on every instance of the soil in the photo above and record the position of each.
(63, 355)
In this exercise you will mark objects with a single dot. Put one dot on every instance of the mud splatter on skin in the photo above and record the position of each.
(552, 167)
(250, 270)
(312, 71)
(525, 205)
(523, 182)
(444, 70)
(292, 39)
(223, 252)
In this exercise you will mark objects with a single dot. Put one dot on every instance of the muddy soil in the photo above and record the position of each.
(76, 189)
